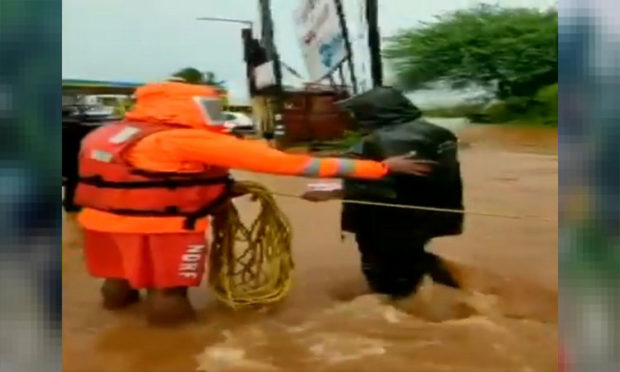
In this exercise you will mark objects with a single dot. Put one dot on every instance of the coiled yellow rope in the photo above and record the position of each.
(251, 265)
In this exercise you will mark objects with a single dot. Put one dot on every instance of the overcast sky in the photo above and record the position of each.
(146, 40)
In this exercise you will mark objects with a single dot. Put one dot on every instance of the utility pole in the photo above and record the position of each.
(268, 43)
(267, 38)
(374, 42)
(347, 41)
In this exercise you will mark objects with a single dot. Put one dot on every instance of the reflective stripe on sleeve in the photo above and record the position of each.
(346, 167)
(313, 169)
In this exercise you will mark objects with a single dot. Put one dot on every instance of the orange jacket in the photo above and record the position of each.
(194, 145)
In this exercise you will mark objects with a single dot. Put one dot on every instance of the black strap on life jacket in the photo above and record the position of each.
(171, 183)
(190, 221)
(173, 211)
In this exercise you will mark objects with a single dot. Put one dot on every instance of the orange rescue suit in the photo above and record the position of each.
(176, 142)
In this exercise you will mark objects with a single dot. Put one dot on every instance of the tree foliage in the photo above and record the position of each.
(512, 51)
(192, 75)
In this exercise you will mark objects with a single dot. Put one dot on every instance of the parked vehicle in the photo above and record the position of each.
(238, 122)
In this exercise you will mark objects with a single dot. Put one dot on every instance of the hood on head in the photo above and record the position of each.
(381, 106)
(195, 106)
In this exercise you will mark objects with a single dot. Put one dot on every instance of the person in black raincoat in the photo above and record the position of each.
(392, 240)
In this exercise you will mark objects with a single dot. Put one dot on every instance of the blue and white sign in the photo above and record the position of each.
(320, 37)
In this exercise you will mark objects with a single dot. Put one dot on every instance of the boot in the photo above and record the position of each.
(439, 272)
(118, 294)
(169, 306)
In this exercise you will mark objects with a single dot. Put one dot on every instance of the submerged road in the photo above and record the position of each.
(505, 320)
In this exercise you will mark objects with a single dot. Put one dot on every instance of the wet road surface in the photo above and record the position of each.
(505, 320)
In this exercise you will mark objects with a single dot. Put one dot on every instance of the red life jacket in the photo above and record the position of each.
(107, 182)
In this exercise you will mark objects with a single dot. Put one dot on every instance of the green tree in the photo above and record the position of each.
(512, 51)
(210, 79)
(194, 76)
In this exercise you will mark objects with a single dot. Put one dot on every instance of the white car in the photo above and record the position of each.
(238, 122)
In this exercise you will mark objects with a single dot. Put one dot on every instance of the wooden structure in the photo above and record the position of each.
(311, 114)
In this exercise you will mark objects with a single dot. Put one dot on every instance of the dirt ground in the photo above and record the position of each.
(505, 319)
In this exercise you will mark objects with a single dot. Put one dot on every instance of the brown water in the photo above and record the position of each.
(505, 320)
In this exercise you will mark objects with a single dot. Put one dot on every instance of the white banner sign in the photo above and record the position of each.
(320, 37)
(264, 75)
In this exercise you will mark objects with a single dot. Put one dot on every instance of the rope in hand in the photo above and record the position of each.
(252, 265)
(421, 208)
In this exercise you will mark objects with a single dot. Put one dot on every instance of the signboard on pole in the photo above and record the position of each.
(265, 75)
(320, 36)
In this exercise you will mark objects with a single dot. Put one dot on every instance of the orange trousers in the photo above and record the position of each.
(147, 260)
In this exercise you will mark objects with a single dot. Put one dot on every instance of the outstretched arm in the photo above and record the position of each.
(229, 152)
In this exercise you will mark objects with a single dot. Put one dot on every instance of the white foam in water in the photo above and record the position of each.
(338, 348)
(222, 359)
(437, 303)
(391, 315)
(421, 328)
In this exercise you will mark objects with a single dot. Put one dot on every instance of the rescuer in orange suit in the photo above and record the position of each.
(148, 183)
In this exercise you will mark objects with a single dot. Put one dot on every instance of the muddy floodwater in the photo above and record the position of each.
(504, 320)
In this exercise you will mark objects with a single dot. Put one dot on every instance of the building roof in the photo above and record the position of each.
(77, 86)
